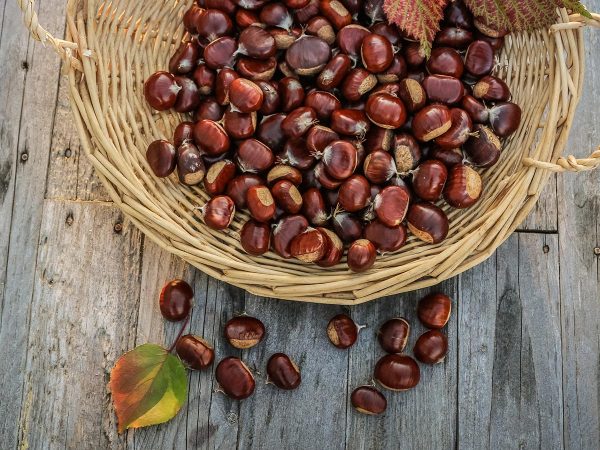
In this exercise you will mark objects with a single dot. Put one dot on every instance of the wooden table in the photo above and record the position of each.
(79, 286)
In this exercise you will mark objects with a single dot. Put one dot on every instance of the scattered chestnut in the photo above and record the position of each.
(313, 207)
(350, 122)
(335, 248)
(276, 15)
(255, 237)
(492, 89)
(431, 121)
(429, 179)
(397, 372)
(357, 83)
(376, 52)
(260, 203)
(218, 176)
(434, 310)
(283, 372)
(412, 94)
(342, 331)
(213, 24)
(309, 246)
(336, 12)
(386, 111)
(292, 94)
(459, 131)
(256, 69)
(211, 137)
(455, 37)
(297, 154)
(318, 138)
(368, 400)
(479, 59)
(218, 212)
(385, 239)
(308, 55)
(407, 152)
(244, 331)
(379, 167)
(321, 27)
(254, 156)
(234, 378)
(361, 255)
(256, 43)
(184, 132)
(162, 158)
(354, 193)
(245, 95)
(190, 166)
(298, 122)
(195, 352)
(208, 109)
(269, 132)
(238, 187)
(283, 172)
(184, 59)
(175, 300)
(414, 54)
(443, 89)
(340, 159)
(458, 15)
(350, 39)
(225, 77)
(427, 222)
(450, 157)
(287, 196)
(464, 186)
(505, 118)
(334, 72)
(391, 205)
(483, 147)
(239, 125)
(393, 335)
(324, 103)
(220, 53)
(287, 229)
(431, 347)
(379, 139)
(160, 90)
(347, 226)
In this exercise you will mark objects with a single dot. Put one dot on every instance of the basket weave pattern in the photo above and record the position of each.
(112, 47)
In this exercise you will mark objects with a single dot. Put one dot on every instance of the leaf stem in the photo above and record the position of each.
(185, 323)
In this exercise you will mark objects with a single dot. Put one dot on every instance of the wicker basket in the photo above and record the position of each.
(112, 47)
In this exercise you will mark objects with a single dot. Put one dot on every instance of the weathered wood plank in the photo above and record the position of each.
(544, 215)
(579, 231)
(29, 75)
(430, 406)
(509, 380)
(83, 316)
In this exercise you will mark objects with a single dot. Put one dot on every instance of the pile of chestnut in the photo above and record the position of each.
(395, 371)
(329, 126)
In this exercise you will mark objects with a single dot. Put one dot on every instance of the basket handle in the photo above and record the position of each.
(570, 163)
(64, 49)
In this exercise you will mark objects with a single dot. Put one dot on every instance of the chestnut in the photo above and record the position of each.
(342, 331)
(211, 137)
(340, 159)
(414, 54)
(407, 152)
(184, 132)
(234, 378)
(308, 55)
(244, 331)
(269, 131)
(297, 154)
(227, 6)
(379, 167)
(378, 138)
(245, 18)
(195, 352)
(459, 131)
(373, 9)
(431, 347)
(175, 300)
(385, 239)
(256, 69)
(208, 109)
(376, 52)
(347, 226)
(412, 94)
(188, 97)
(223, 82)
(335, 248)
(464, 187)
(238, 187)
(431, 121)
(218, 176)
(190, 166)
(458, 15)
(245, 95)
(386, 111)
(298, 4)
(287, 196)
(350, 122)
(190, 17)
(368, 400)
(476, 110)
(257, 43)
(361, 255)
(483, 147)
(205, 79)
(220, 53)
(260, 203)
(450, 157)
(255, 237)
(443, 89)
(336, 13)
(254, 156)
(505, 118)
(434, 310)
(292, 94)
(354, 193)
(357, 83)
(391, 205)
(350, 39)
(162, 158)
(218, 212)
(305, 13)
(313, 207)
(396, 71)
(318, 138)
(397, 372)
(283, 372)
(184, 59)
(298, 122)
(239, 125)
(321, 27)
(334, 72)
(160, 90)
(309, 246)
(324, 103)
(455, 37)
(427, 222)
(445, 61)
(283, 172)
(284, 38)
(492, 89)
(287, 229)
(389, 31)
(213, 24)
(479, 59)
(393, 335)
(276, 15)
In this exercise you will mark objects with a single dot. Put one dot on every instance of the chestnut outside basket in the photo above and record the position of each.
(112, 47)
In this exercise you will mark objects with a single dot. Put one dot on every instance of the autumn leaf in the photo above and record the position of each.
(520, 15)
(148, 386)
(420, 19)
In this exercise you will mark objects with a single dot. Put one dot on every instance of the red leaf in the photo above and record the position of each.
(420, 19)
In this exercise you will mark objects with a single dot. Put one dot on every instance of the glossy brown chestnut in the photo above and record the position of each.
(459, 131)
(162, 158)
(334, 72)
(185, 58)
(354, 193)
(254, 156)
(397, 372)
(368, 400)
(450, 157)
(496, 42)
(227, 6)
(376, 52)
(218, 176)
(319, 137)
(245, 18)
(221, 53)
(389, 31)
(386, 111)
(361, 255)
(313, 207)
(391, 205)
(283, 172)
(458, 15)
(379, 167)
(244, 331)
(483, 147)
(284, 38)
(340, 159)
(256, 69)
(309, 246)
(379, 138)
(257, 43)
(160, 90)
(195, 352)
(188, 97)
(297, 154)
(308, 55)
(393, 335)
(434, 310)
(336, 13)
(287, 229)
(445, 61)
(269, 132)
(292, 94)
(413, 54)
(297, 4)
(335, 248)
(323, 179)
(298, 122)
(431, 121)
(184, 132)
(321, 27)
(239, 125)
(211, 137)
(347, 226)
(475, 109)
(305, 13)
(342, 331)
(208, 109)
(350, 39)
(412, 94)
(427, 222)
(407, 152)
(505, 118)
(287, 196)
(190, 165)
(357, 83)
(373, 9)
(396, 72)
(385, 239)
(175, 300)
(350, 122)
(245, 95)
(190, 17)
(324, 103)
(276, 15)
(238, 187)
(431, 347)
(492, 89)
(260, 203)
(218, 212)
(234, 378)
(225, 77)
(464, 186)
(205, 79)
(255, 237)
(283, 372)
(213, 24)
(443, 89)
(455, 37)
(479, 59)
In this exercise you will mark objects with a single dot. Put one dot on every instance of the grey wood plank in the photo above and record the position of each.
(579, 234)
(510, 378)
(544, 215)
(423, 417)
(27, 102)
(313, 416)
(83, 317)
